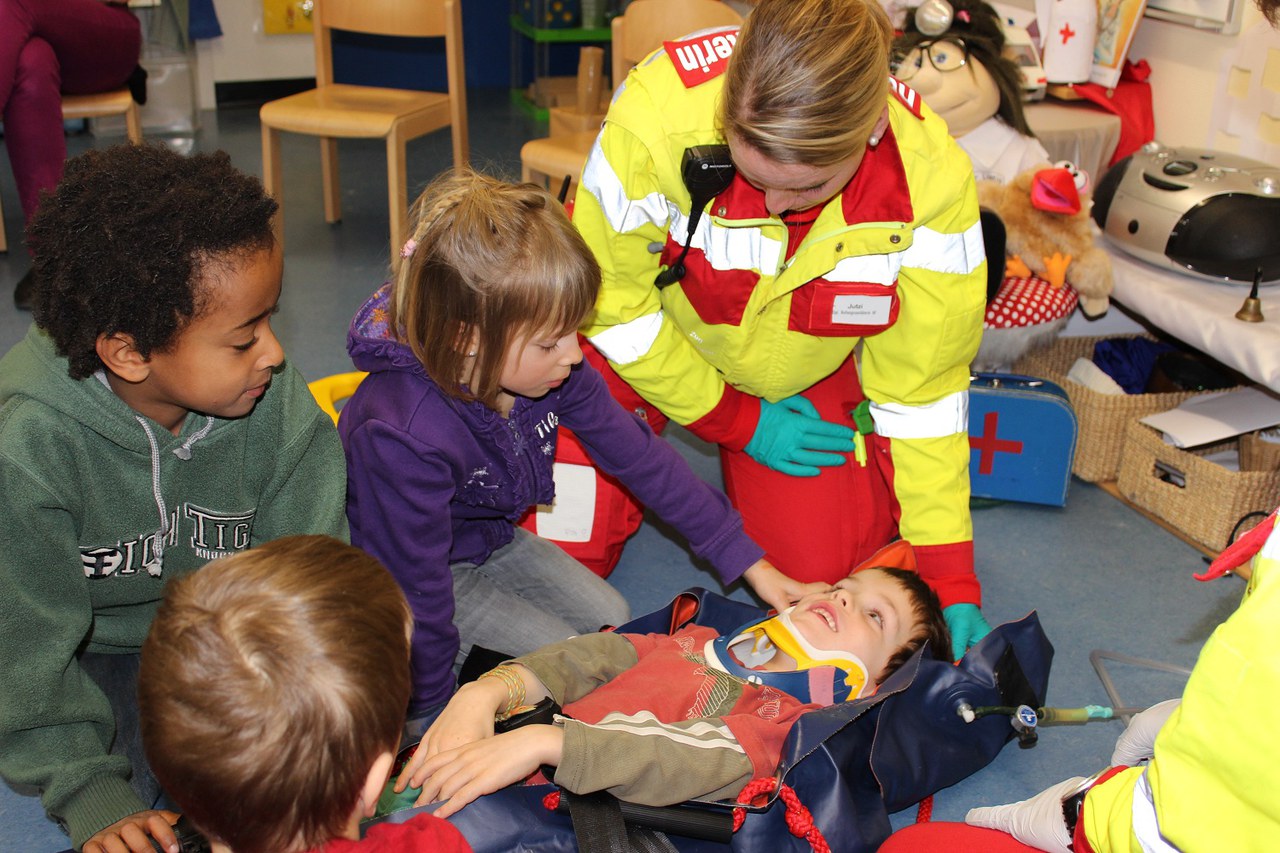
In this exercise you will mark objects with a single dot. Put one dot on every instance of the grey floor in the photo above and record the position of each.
(1100, 575)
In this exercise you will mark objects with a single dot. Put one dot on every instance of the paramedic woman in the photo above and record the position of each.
(852, 219)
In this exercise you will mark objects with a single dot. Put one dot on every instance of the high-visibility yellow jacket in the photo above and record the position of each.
(1213, 781)
(894, 263)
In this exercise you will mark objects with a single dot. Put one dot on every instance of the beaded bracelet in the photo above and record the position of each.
(515, 689)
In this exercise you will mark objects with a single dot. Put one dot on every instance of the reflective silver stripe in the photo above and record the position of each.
(1146, 826)
(623, 213)
(729, 248)
(877, 269)
(947, 416)
(748, 248)
(627, 342)
(959, 254)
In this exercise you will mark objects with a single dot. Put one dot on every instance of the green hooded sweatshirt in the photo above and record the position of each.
(99, 507)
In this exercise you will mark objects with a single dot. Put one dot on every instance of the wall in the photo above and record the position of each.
(1185, 62)
(244, 53)
(1185, 68)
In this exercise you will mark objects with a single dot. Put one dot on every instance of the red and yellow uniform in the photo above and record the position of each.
(893, 267)
(1211, 784)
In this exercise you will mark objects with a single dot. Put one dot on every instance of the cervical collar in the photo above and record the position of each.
(821, 676)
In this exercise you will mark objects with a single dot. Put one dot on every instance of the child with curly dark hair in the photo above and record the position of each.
(148, 425)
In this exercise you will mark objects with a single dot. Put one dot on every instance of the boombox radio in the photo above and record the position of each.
(1209, 213)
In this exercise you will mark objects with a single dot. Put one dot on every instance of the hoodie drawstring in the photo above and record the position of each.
(155, 565)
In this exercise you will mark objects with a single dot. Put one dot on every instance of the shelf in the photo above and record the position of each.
(542, 40)
(528, 107)
(558, 34)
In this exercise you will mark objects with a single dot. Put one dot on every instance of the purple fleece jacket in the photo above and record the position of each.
(433, 480)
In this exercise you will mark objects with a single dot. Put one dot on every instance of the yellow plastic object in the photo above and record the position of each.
(331, 390)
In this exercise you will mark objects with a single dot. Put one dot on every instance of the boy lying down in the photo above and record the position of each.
(658, 719)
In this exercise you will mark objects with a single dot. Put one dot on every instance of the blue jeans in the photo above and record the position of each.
(117, 677)
(527, 594)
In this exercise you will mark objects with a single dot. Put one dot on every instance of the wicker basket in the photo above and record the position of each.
(1194, 495)
(1101, 417)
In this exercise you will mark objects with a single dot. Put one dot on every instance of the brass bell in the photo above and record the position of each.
(1251, 310)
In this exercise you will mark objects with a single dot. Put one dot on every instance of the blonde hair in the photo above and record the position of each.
(808, 79)
(270, 683)
(494, 260)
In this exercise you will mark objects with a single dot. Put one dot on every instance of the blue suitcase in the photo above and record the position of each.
(1022, 438)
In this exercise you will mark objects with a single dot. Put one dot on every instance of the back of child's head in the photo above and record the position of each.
(929, 624)
(123, 242)
(488, 262)
(270, 683)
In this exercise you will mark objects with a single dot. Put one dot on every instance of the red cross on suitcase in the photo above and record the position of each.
(1022, 437)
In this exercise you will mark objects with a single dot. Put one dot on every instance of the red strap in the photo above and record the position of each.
(683, 610)
(1241, 551)
(799, 819)
(924, 811)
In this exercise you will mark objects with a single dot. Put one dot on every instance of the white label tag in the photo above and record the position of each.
(572, 515)
(857, 310)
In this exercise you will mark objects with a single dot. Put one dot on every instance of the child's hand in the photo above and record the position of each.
(484, 766)
(467, 718)
(778, 590)
(134, 834)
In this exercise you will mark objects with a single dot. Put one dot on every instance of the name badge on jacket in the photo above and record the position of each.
(845, 309)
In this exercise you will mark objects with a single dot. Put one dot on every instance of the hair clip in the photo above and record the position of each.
(963, 15)
(410, 246)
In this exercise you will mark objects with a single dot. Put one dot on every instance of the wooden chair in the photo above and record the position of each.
(637, 32)
(573, 129)
(646, 24)
(112, 103)
(336, 110)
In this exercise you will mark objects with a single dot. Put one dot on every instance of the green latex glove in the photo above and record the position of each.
(790, 435)
(390, 801)
(967, 626)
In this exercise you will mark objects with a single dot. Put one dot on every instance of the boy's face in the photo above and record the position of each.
(222, 362)
(868, 614)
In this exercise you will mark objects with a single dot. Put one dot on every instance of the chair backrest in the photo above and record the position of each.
(412, 18)
(329, 391)
(646, 24)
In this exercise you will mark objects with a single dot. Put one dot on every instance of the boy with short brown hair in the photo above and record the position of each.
(658, 719)
(273, 689)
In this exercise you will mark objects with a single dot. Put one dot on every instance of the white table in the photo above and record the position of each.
(1202, 314)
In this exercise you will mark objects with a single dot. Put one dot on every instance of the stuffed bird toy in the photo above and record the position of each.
(952, 52)
(1051, 263)
(1049, 234)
